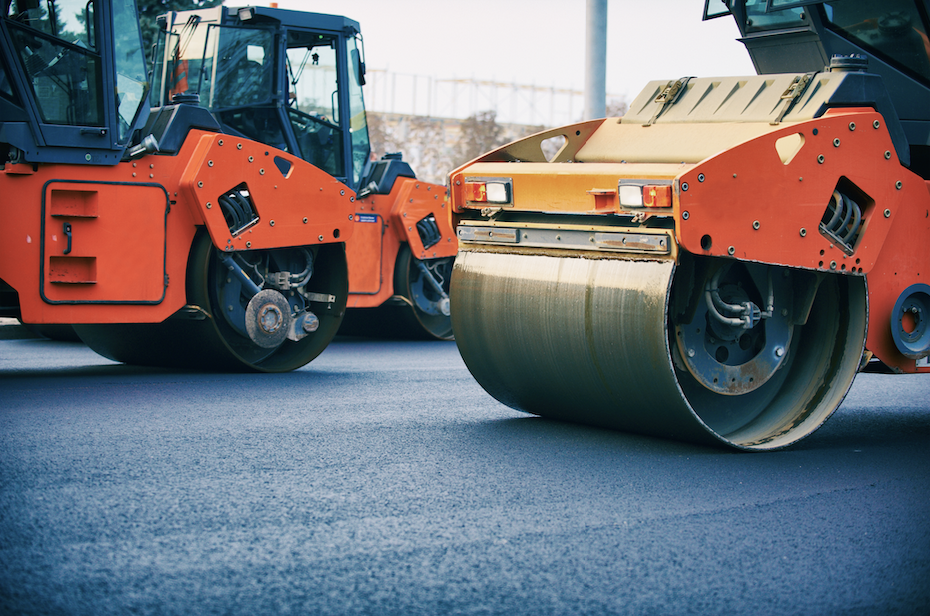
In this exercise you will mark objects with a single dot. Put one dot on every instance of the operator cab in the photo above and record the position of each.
(273, 76)
(72, 91)
(800, 36)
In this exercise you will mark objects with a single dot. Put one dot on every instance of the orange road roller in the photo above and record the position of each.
(293, 80)
(718, 264)
(160, 239)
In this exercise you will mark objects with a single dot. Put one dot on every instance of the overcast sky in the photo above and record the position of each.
(539, 42)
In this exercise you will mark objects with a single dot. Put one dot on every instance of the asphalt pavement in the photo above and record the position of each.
(381, 479)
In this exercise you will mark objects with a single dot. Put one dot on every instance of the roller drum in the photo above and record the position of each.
(591, 340)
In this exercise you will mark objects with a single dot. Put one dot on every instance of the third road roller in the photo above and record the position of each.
(718, 264)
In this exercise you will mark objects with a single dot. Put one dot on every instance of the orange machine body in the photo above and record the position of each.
(845, 147)
(760, 198)
(91, 244)
(318, 114)
(382, 224)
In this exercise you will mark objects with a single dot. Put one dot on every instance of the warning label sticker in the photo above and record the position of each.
(366, 218)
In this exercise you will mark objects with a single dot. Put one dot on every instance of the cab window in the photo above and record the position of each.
(894, 30)
(56, 46)
(239, 63)
(313, 99)
(759, 16)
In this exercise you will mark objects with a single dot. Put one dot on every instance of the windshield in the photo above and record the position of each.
(56, 46)
(227, 66)
(313, 99)
(358, 123)
(892, 29)
(238, 63)
(236, 71)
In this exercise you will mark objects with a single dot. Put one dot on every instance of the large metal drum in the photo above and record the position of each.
(584, 338)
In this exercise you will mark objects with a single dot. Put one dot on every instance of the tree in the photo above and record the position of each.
(617, 107)
(149, 10)
(435, 146)
(421, 140)
(427, 139)
(480, 133)
(381, 136)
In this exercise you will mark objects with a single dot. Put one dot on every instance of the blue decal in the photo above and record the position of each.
(366, 218)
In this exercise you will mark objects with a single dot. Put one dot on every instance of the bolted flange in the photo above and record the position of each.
(267, 318)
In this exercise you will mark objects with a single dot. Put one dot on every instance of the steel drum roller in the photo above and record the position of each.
(589, 339)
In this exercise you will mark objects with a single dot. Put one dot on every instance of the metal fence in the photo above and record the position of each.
(418, 95)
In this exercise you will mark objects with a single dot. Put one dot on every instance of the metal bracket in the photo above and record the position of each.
(319, 298)
(668, 96)
(248, 285)
(793, 93)
(431, 279)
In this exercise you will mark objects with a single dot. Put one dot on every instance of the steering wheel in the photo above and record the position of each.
(306, 119)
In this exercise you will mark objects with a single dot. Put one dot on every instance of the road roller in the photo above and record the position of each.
(718, 264)
(161, 239)
(276, 76)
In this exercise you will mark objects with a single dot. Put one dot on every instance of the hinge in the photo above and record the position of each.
(793, 93)
(669, 96)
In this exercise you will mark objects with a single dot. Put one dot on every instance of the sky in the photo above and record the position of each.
(536, 42)
(540, 42)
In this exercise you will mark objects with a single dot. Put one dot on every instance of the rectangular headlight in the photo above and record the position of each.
(631, 196)
(492, 191)
(645, 193)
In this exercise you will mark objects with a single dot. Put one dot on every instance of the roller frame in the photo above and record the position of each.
(179, 193)
(384, 223)
(895, 214)
(736, 197)
(390, 202)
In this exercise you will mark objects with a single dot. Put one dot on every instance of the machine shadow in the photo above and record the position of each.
(855, 429)
(129, 371)
(869, 427)
(544, 433)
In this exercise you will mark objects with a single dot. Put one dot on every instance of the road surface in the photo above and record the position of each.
(381, 479)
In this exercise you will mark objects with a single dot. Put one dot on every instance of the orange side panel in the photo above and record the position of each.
(364, 254)
(297, 203)
(749, 204)
(81, 220)
(129, 241)
(370, 270)
(756, 204)
(128, 256)
(417, 200)
(131, 225)
(903, 261)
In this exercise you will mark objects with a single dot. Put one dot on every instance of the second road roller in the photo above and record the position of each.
(718, 264)
(161, 239)
(274, 76)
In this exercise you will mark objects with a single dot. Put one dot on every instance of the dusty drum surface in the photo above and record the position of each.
(592, 340)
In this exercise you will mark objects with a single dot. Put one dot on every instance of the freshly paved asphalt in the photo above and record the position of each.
(381, 479)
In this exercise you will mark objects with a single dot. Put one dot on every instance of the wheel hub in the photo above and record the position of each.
(267, 318)
(910, 321)
(731, 358)
(270, 318)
